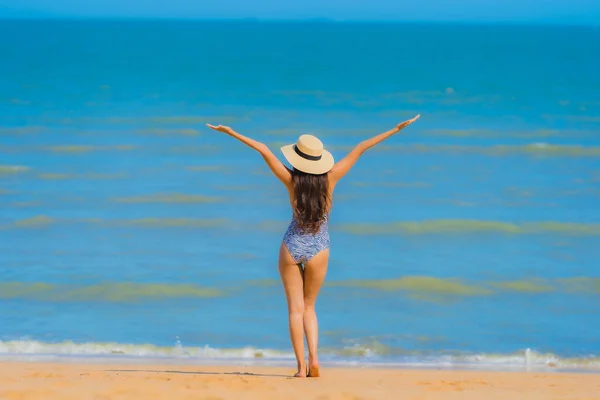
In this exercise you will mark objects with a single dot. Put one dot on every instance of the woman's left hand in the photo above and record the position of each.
(406, 123)
(221, 128)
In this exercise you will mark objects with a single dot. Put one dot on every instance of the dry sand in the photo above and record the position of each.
(50, 381)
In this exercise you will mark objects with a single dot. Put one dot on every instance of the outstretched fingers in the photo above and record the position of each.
(220, 128)
(408, 121)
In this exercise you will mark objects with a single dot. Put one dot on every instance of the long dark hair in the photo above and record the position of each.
(312, 199)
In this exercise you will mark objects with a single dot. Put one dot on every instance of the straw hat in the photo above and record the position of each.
(308, 155)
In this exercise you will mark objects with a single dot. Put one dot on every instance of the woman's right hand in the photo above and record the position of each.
(221, 128)
(406, 123)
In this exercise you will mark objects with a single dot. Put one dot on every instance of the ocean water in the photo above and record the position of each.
(129, 230)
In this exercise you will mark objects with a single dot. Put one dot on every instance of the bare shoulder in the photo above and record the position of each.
(332, 180)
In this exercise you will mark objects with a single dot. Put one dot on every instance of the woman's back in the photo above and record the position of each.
(310, 198)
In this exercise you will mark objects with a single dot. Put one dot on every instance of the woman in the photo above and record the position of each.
(304, 252)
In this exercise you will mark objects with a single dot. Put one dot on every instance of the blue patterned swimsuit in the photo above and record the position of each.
(303, 246)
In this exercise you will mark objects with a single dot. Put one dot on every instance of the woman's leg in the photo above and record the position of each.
(314, 275)
(293, 283)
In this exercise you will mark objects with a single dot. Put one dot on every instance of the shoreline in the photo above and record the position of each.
(79, 380)
(282, 363)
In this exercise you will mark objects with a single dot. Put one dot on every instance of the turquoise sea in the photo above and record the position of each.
(128, 229)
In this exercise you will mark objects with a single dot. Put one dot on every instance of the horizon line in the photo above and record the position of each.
(545, 22)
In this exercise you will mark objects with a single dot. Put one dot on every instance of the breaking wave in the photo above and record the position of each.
(365, 354)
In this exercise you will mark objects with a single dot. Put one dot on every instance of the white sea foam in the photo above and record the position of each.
(357, 355)
(34, 347)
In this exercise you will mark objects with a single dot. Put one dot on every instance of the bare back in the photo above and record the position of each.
(332, 182)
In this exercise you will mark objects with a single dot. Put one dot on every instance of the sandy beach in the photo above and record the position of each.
(32, 381)
(140, 249)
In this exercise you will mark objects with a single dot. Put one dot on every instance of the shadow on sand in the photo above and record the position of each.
(201, 373)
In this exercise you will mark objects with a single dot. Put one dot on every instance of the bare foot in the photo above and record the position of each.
(313, 372)
(313, 369)
(301, 372)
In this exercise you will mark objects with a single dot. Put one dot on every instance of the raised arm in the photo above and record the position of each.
(341, 168)
(276, 166)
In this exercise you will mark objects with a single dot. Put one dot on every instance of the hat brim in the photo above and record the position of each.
(318, 167)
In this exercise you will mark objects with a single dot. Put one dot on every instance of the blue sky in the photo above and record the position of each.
(585, 11)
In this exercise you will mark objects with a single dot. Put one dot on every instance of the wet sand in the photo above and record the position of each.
(80, 381)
